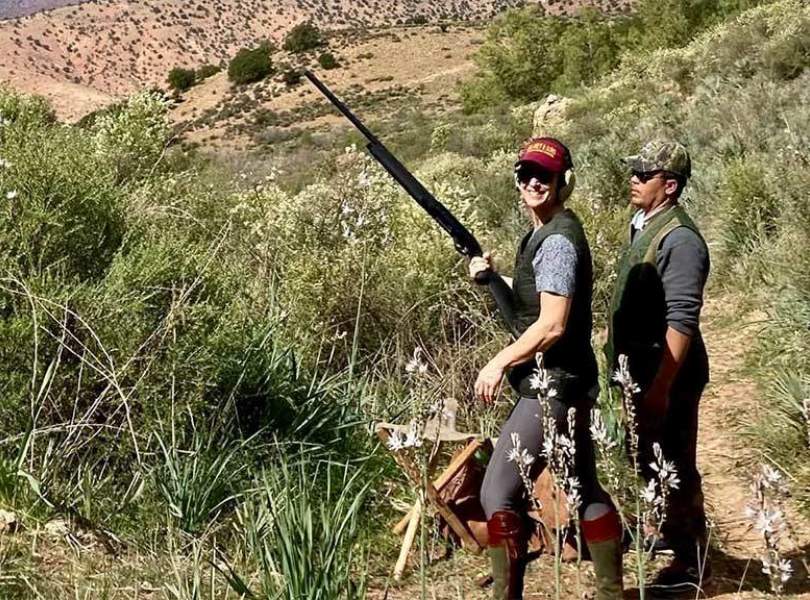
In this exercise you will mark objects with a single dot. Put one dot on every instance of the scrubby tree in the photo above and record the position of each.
(304, 36)
(181, 79)
(250, 65)
(327, 60)
(206, 71)
(589, 47)
(520, 53)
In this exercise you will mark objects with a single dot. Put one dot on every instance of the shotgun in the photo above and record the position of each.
(464, 241)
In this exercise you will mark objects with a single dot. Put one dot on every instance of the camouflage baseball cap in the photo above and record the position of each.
(661, 155)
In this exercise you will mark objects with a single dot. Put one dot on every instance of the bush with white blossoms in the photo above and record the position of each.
(134, 138)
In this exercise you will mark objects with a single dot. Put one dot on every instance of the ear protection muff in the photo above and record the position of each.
(570, 183)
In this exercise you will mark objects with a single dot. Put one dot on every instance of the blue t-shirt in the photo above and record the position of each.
(555, 266)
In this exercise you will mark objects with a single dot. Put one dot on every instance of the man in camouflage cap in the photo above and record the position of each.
(654, 321)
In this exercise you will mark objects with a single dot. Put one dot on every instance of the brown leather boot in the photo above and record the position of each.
(507, 552)
(602, 531)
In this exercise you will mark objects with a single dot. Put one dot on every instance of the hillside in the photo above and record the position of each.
(218, 116)
(10, 9)
(110, 48)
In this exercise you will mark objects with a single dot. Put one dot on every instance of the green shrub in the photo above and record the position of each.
(88, 120)
(133, 139)
(264, 117)
(66, 214)
(748, 207)
(788, 53)
(482, 92)
(250, 65)
(303, 37)
(327, 60)
(528, 53)
(206, 71)
(181, 79)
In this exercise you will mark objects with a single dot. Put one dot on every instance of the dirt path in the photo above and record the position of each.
(728, 464)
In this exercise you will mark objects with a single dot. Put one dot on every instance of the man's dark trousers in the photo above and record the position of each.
(684, 529)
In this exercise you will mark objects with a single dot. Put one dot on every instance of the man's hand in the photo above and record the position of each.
(481, 263)
(489, 381)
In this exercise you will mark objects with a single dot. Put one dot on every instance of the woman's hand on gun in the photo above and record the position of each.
(479, 264)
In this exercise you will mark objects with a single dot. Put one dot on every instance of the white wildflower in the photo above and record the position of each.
(513, 455)
(768, 521)
(666, 470)
(650, 493)
(573, 497)
(779, 568)
(517, 454)
(566, 445)
(396, 441)
(599, 431)
(5, 164)
(785, 570)
(772, 478)
(11, 195)
(548, 446)
(765, 512)
(416, 365)
(523, 460)
(622, 376)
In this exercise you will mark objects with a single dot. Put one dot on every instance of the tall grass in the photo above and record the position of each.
(300, 528)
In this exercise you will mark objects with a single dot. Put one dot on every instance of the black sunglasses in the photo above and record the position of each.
(525, 175)
(645, 176)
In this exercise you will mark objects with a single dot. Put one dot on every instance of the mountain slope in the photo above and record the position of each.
(118, 46)
(10, 9)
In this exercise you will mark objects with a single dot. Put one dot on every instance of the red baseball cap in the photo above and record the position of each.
(547, 153)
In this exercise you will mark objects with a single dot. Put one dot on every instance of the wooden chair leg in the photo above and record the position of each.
(407, 542)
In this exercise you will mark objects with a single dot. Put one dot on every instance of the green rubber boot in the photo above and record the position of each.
(507, 554)
(602, 531)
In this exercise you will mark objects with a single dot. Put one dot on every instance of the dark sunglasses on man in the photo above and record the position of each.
(645, 176)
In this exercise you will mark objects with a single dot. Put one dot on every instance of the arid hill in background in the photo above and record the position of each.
(10, 9)
(85, 56)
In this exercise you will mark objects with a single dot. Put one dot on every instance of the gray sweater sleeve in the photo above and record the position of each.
(683, 262)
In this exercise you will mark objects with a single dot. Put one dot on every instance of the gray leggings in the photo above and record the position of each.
(502, 488)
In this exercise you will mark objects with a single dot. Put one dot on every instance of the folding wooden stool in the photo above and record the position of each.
(438, 433)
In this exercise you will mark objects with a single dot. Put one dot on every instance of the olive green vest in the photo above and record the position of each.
(570, 360)
(637, 325)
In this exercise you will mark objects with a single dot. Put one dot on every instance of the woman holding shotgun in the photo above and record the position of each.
(552, 290)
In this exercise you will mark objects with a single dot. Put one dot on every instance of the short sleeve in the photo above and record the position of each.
(555, 266)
